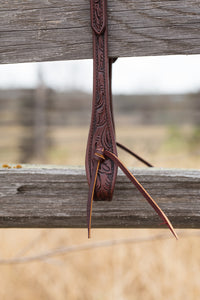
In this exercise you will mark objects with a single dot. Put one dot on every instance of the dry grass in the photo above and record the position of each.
(163, 269)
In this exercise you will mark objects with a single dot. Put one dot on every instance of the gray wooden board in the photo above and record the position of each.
(32, 30)
(57, 197)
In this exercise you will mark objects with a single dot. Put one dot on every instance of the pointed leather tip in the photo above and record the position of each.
(174, 233)
(168, 223)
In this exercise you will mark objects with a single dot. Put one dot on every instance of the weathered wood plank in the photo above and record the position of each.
(59, 30)
(52, 197)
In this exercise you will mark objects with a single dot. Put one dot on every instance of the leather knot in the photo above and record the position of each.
(99, 154)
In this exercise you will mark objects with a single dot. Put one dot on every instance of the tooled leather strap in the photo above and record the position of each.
(102, 129)
(101, 133)
(102, 154)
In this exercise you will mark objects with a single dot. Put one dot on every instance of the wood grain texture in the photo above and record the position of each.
(48, 30)
(52, 197)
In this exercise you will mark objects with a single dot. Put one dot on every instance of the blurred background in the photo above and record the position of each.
(45, 111)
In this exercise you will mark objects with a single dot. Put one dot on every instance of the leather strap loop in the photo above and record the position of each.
(103, 155)
(101, 133)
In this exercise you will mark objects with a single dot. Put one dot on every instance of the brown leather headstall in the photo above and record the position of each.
(101, 154)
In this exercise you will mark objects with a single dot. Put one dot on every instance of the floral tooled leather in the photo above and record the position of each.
(101, 134)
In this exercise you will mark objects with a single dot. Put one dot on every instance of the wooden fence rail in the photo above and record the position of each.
(36, 30)
(52, 197)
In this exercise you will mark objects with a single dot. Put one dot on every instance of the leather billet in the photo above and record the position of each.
(101, 133)
(101, 154)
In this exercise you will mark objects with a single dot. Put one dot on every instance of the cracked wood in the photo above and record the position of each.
(51, 197)
(60, 30)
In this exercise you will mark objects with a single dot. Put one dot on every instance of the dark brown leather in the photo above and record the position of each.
(145, 162)
(101, 134)
(102, 128)
(101, 153)
(98, 158)
(141, 189)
